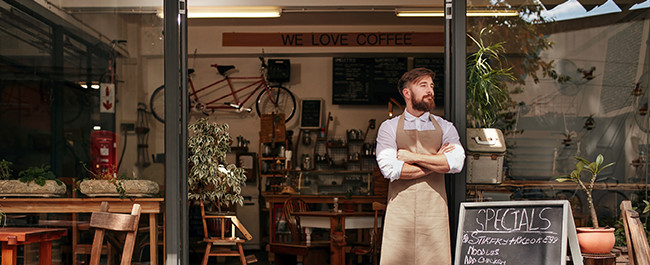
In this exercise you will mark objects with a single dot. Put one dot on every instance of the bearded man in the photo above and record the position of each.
(414, 151)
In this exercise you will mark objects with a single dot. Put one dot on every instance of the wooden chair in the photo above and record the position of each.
(637, 242)
(223, 242)
(298, 251)
(292, 205)
(104, 221)
(375, 240)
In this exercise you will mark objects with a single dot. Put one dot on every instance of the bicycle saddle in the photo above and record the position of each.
(224, 68)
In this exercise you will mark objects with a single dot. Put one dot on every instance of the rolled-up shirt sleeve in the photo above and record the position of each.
(455, 158)
(386, 151)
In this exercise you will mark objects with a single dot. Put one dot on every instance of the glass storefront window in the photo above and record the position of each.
(75, 79)
(581, 76)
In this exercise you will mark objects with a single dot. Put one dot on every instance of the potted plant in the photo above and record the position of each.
(211, 179)
(108, 183)
(595, 239)
(487, 95)
(338, 236)
(33, 181)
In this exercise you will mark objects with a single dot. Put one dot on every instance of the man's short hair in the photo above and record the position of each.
(412, 76)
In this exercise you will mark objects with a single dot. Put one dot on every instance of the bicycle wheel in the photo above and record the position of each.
(157, 104)
(278, 100)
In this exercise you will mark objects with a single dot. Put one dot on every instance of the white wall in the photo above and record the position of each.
(311, 74)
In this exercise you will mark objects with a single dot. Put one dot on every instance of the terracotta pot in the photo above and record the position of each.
(596, 241)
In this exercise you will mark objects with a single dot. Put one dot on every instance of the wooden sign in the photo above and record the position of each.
(516, 232)
(333, 39)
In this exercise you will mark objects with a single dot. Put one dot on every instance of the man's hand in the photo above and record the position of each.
(407, 156)
(446, 148)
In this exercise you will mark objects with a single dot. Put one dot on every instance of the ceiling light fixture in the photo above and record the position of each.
(215, 12)
(401, 12)
(229, 12)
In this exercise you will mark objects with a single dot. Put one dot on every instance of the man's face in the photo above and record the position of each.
(421, 92)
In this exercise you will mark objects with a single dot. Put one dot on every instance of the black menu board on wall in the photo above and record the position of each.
(437, 65)
(366, 81)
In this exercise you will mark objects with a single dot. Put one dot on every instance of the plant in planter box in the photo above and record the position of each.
(38, 175)
(602, 237)
(33, 181)
(109, 183)
(211, 179)
(5, 169)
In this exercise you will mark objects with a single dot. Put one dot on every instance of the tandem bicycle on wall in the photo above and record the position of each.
(232, 93)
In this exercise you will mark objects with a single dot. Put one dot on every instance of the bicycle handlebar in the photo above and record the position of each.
(263, 61)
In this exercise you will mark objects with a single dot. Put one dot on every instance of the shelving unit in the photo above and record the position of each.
(272, 160)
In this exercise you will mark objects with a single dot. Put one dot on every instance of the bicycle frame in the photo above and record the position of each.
(214, 96)
(259, 82)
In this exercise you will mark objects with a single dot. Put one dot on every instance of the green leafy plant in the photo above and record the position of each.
(38, 175)
(487, 95)
(110, 175)
(525, 35)
(211, 178)
(593, 168)
(5, 169)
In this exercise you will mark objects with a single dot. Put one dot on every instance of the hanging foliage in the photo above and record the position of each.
(211, 178)
(487, 94)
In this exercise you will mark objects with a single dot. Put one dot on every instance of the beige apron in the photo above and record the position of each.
(416, 229)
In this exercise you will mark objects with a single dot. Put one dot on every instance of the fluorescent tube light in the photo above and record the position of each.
(229, 12)
(418, 13)
(440, 13)
(492, 13)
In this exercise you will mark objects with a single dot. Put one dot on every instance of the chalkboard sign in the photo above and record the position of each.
(311, 111)
(366, 81)
(521, 232)
(437, 65)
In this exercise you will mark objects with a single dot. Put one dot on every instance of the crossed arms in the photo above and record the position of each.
(419, 165)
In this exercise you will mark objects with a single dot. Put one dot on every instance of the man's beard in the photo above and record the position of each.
(423, 105)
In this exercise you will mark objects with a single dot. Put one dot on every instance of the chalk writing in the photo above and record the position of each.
(511, 235)
(513, 219)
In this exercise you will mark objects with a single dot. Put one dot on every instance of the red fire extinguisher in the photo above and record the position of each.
(103, 152)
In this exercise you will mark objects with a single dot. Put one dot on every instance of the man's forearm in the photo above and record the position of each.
(413, 171)
(437, 163)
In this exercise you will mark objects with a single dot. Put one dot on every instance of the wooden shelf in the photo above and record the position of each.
(272, 175)
(269, 158)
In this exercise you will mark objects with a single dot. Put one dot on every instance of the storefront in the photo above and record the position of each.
(84, 88)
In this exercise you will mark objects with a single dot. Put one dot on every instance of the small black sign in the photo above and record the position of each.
(311, 111)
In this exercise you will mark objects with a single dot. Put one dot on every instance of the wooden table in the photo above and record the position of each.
(275, 202)
(150, 207)
(11, 237)
(331, 220)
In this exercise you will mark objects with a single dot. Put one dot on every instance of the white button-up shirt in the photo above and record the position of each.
(386, 151)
